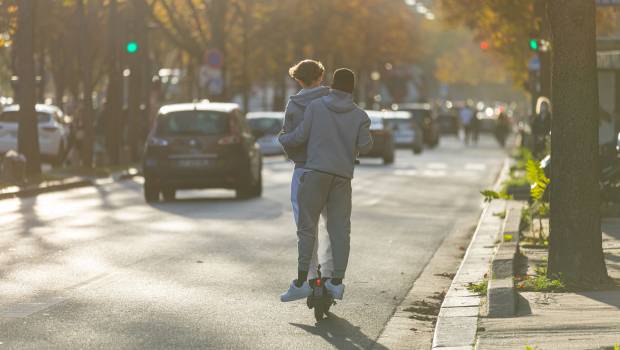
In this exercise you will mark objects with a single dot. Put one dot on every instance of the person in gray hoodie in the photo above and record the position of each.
(309, 75)
(335, 131)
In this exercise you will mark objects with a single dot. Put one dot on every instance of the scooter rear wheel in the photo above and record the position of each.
(318, 312)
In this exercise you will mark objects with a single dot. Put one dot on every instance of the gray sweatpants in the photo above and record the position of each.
(317, 191)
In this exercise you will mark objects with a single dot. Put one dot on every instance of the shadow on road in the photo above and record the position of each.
(341, 334)
(222, 208)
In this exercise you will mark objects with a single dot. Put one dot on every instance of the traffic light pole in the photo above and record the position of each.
(137, 66)
(114, 97)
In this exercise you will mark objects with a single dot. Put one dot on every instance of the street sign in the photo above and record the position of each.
(211, 79)
(608, 2)
(214, 58)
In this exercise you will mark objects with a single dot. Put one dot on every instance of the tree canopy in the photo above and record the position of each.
(508, 25)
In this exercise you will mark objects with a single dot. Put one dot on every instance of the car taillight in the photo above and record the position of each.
(229, 140)
(49, 128)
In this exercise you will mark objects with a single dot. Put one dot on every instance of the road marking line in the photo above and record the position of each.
(476, 166)
(437, 166)
(404, 172)
(371, 202)
(466, 173)
(26, 309)
(434, 173)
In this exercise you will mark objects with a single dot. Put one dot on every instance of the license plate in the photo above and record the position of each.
(193, 163)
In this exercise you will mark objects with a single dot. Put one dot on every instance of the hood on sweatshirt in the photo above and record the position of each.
(339, 101)
(305, 96)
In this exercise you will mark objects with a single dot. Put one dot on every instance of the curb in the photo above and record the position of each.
(501, 292)
(62, 185)
(457, 323)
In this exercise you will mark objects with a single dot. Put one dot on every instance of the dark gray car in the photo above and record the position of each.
(201, 145)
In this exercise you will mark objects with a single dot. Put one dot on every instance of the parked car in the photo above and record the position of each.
(407, 133)
(53, 125)
(383, 137)
(201, 145)
(449, 123)
(265, 127)
(426, 117)
(486, 123)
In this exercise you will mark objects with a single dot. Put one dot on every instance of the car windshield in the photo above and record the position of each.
(267, 126)
(401, 124)
(200, 123)
(13, 117)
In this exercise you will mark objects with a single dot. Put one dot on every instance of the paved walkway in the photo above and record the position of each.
(589, 320)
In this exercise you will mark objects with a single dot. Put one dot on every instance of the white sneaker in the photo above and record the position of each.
(296, 293)
(336, 291)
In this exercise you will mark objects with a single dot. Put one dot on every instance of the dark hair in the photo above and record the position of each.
(307, 71)
(344, 80)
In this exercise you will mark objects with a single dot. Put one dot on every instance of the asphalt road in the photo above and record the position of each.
(97, 268)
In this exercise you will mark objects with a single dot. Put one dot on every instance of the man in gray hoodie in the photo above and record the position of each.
(335, 130)
(309, 75)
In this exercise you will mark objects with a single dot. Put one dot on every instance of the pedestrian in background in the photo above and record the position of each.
(475, 126)
(541, 126)
(466, 115)
(502, 128)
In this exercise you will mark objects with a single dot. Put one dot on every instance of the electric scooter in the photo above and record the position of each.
(320, 300)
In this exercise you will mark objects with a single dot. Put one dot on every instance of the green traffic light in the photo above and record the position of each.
(534, 44)
(132, 47)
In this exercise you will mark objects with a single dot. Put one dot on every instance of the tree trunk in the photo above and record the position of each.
(86, 70)
(28, 133)
(575, 250)
(114, 98)
(246, 58)
(40, 75)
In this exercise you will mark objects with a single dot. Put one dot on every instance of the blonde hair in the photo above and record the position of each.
(307, 71)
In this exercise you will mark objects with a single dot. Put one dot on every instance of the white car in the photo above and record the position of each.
(266, 126)
(53, 131)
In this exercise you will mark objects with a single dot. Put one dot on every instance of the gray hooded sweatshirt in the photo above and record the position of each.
(294, 115)
(335, 130)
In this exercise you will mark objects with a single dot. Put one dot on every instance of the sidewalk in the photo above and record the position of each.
(68, 178)
(587, 320)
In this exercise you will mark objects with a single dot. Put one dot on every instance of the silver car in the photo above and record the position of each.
(266, 126)
(407, 133)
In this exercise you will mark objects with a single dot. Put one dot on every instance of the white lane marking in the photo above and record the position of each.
(26, 309)
(434, 173)
(476, 166)
(371, 202)
(466, 173)
(406, 172)
(437, 166)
